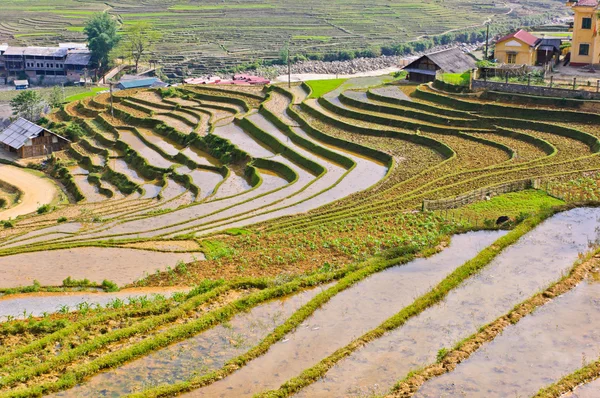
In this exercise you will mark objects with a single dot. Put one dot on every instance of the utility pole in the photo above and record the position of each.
(487, 40)
(289, 65)
(112, 109)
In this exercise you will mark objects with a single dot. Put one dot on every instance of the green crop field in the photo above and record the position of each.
(211, 35)
(301, 237)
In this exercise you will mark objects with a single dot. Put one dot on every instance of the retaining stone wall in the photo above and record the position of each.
(478, 85)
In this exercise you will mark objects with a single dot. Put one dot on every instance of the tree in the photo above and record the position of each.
(101, 31)
(28, 104)
(56, 97)
(138, 42)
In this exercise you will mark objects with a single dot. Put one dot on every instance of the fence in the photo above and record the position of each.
(478, 195)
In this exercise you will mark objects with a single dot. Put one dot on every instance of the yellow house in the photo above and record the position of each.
(518, 48)
(585, 48)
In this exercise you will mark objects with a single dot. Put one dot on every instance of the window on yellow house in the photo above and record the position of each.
(511, 59)
(586, 23)
(584, 49)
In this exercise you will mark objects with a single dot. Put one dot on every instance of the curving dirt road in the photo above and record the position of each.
(36, 190)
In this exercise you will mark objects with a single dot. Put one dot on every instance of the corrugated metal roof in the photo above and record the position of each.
(15, 50)
(452, 60)
(138, 83)
(522, 35)
(19, 132)
(78, 58)
(46, 51)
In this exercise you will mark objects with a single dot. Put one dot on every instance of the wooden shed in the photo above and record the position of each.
(453, 60)
(27, 140)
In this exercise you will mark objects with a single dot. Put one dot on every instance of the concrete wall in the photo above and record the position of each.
(479, 85)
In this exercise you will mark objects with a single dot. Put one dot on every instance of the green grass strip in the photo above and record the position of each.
(429, 299)
(588, 373)
(374, 266)
(180, 332)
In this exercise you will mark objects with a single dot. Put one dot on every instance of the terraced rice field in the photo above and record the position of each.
(207, 36)
(273, 245)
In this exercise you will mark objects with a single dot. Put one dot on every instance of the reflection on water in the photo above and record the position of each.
(346, 316)
(556, 340)
(196, 356)
(516, 274)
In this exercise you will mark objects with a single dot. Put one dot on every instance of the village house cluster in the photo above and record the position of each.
(69, 62)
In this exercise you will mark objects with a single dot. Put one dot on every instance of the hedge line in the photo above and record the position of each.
(451, 88)
(567, 132)
(94, 179)
(65, 177)
(428, 118)
(503, 110)
(304, 143)
(218, 98)
(278, 147)
(419, 105)
(121, 181)
(439, 147)
(91, 148)
(281, 169)
(386, 121)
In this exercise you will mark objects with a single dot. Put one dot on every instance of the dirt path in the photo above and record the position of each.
(36, 190)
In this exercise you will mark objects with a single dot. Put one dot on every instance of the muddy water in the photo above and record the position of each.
(170, 147)
(172, 189)
(91, 192)
(200, 157)
(206, 180)
(77, 170)
(589, 390)
(50, 268)
(175, 123)
(120, 166)
(235, 184)
(153, 157)
(242, 140)
(196, 356)
(520, 271)
(165, 221)
(347, 316)
(40, 303)
(556, 340)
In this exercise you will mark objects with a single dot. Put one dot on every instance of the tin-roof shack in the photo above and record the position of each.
(129, 82)
(27, 140)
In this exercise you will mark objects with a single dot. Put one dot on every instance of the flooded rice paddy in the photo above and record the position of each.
(346, 316)
(50, 268)
(199, 355)
(24, 305)
(517, 273)
(556, 340)
(589, 390)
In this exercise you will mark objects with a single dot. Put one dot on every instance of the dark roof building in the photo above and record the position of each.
(27, 139)
(425, 68)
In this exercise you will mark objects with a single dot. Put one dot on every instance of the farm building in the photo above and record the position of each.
(518, 48)
(453, 60)
(27, 140)
(128, 82)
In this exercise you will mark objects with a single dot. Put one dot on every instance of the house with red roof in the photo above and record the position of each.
(518, 48)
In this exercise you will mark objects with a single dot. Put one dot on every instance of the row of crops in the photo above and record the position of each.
(210, 36)
(297, 220)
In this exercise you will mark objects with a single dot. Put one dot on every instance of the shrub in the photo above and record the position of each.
(62, 219)
(3, 202)
(8, 224)
(110, 286)
(43, 209)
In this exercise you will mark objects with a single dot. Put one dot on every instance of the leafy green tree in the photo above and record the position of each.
(28, 104)
(139, 40)
(56, 97)
(101, 31)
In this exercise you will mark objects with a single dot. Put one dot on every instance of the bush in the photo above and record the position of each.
(3, 202)
(43, 209)
(8, 224)
(62, 219)
(77, 283)
(110, 286)
(74, 131)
